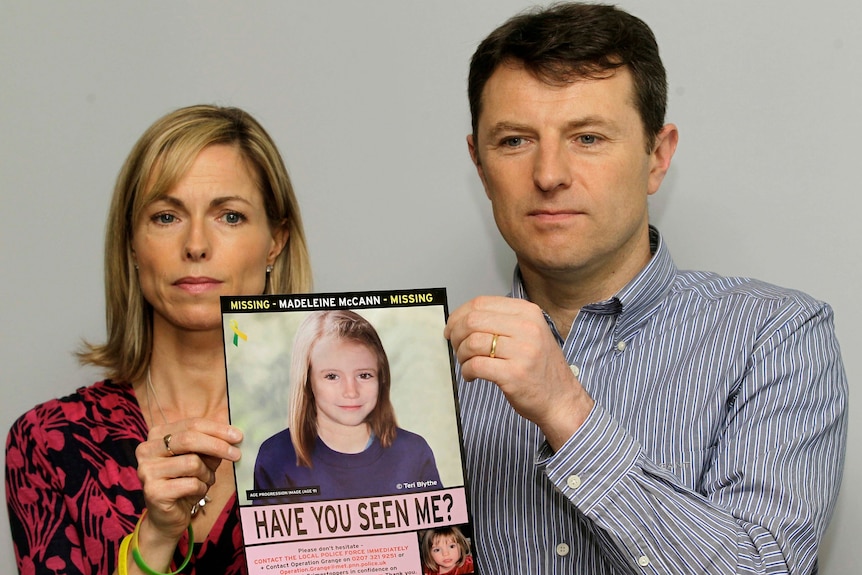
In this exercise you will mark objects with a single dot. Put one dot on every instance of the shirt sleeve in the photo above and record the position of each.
(765, 495)
(43, 532)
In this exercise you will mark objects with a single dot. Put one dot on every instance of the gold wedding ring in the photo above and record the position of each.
(493, 353)
(167, 440)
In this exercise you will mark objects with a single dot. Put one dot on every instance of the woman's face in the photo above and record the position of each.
(344, 381)
(207, 237)
(445, 552)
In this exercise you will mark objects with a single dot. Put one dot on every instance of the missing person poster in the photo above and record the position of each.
(352, 460)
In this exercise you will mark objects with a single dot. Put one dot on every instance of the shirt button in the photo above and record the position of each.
(621, 345)
(643, 560)
(575, 369)
(573, 481)
(562, 549)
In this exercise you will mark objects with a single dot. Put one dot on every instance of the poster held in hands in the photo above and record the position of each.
(352, 447)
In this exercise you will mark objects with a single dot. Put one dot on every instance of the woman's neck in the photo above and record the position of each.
(186, 375)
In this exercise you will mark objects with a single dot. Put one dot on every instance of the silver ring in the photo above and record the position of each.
(199, 506)
(167, 440)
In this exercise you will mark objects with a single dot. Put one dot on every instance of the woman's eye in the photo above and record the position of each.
(164, 218)
(330, 376)
(366, 375)
(234, 218)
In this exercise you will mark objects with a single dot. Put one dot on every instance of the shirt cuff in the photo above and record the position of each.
(590, 465)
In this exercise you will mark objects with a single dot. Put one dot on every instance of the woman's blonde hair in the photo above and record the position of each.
(159, 159)
(342, 325)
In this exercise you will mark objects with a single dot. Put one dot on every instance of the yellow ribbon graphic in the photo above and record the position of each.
(237, 333)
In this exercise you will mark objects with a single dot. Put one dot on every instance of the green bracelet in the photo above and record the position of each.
(136, 554)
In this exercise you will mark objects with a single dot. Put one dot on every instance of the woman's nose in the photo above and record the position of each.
(197, 243)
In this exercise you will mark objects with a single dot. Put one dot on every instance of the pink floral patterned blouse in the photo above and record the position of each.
(73, 491)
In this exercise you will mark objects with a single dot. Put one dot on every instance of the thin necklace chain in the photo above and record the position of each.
(156, 397)
(199, 506)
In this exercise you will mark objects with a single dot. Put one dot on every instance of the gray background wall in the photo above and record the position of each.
(367, 102)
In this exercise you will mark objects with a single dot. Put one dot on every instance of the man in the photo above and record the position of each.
(621, 416)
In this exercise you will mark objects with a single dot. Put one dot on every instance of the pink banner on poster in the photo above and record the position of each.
(350, 517)
(395, 554)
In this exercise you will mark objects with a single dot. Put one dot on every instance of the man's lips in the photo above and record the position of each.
(197, 284)
(554, 215)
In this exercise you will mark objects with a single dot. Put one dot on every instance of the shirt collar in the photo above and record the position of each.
(638, 299)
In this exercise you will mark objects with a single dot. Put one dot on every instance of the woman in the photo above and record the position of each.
(203, 207)
(343, 440)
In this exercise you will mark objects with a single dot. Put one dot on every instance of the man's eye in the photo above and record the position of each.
(588, 139)
(513, 142)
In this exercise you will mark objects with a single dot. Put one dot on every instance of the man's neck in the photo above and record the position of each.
(561, 300)
(562, 295)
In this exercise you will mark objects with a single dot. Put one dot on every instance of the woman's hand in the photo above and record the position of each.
(177, 466)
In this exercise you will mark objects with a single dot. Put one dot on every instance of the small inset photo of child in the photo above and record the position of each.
(445, 551)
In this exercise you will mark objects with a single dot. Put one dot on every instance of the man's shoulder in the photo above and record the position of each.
(711, 285)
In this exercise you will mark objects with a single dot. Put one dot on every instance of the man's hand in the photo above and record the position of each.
(528, 365)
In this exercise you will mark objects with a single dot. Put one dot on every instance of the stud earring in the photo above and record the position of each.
(269, 269)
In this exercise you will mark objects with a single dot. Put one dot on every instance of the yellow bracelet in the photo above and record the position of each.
(123, 559)
(136, 554)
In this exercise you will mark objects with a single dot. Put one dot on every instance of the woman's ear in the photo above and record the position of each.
(280, 235)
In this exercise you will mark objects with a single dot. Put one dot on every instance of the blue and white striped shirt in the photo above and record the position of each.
(716, 444)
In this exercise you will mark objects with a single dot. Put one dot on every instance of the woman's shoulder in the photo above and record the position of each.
(106, 394)
(67, 441)
(104, 402)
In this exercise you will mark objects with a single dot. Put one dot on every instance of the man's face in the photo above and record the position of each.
(568, 173)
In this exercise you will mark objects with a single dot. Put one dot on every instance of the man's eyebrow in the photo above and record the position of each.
(590, 122)
(504, 127)
(575, 124)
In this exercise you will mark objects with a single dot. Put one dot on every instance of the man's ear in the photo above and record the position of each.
(663, 150)
(474, 155)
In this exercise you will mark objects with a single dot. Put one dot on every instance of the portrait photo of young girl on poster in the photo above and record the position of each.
(342, 440)
(445, 551)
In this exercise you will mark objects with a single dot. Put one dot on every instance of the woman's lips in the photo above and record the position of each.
(197, 285)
